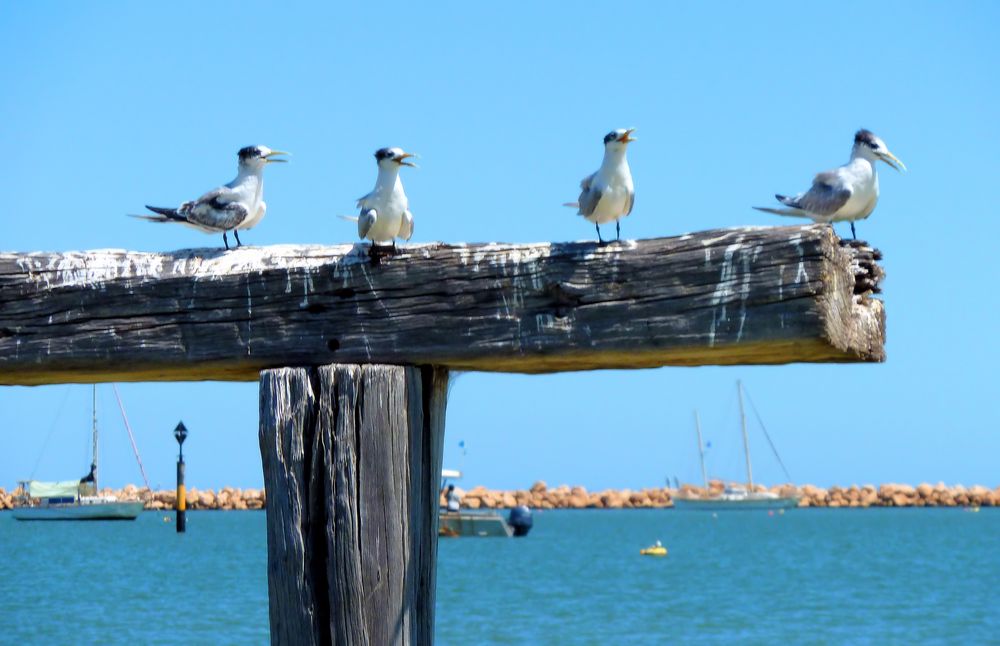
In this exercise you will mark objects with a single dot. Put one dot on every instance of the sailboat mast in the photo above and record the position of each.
(746, 441)
(94, 462)
(701, 449)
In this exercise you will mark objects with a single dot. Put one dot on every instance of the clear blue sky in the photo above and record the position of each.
(109, 106)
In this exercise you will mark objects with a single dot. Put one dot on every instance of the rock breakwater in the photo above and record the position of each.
(541, 496)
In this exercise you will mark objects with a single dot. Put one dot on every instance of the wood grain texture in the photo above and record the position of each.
(352, 464)
(732, 296)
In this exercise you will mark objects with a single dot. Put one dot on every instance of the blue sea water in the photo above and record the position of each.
(875, 576)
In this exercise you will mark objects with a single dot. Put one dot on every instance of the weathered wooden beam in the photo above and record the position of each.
(352, 464)
(730, 296)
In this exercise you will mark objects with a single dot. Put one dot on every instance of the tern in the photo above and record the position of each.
(385, 213)
(608, 194)
(237, 205)
(847, 193)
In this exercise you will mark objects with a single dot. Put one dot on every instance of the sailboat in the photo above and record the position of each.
(734, 496)
(74, 499)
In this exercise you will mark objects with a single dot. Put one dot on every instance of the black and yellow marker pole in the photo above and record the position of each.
(180, 433)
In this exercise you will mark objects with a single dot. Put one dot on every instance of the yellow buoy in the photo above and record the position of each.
(654, 550)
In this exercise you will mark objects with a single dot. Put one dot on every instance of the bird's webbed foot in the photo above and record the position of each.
(378, 252)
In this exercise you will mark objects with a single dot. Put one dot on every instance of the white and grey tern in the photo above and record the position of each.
(238, 205)
(847, 193)
(608, 194)
(385, 211)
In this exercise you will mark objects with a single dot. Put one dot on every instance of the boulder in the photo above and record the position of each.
(901, 499)
(539, 487)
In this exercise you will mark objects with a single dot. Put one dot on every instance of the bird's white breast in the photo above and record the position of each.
(615, 184)
(860, 175)
(389, 205)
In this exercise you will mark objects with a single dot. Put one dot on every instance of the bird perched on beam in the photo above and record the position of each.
(608, 194)
(847, 193)
(237, 205)
(385, 213)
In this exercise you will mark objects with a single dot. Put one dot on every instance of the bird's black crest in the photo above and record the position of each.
(866, 137)
(611, 136)
(383, 153)
(248, 152)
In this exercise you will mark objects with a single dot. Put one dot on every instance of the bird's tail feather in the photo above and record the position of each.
(572, 205)
(787, 201)
(150, 218)
(791, 213)
(349, 218)
(166, 213)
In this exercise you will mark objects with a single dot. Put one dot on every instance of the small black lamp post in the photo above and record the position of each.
(180, 434)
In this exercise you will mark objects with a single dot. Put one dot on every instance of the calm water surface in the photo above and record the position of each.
(809, 576)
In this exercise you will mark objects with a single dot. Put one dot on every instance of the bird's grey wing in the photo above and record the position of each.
(215, 213)
(406, 227)
(364, 199)
(366, 220)
(629, 201)
(590, 196)
(221, 193)
(826, 196)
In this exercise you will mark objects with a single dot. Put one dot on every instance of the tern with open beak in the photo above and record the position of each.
(237, 205)
(608, 194)
(385, 213)
(847, 193)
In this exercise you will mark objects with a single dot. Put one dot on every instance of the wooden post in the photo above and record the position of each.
(352, 464)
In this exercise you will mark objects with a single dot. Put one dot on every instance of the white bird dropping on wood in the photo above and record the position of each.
(608, 194)
(236, 205)
(847, 193)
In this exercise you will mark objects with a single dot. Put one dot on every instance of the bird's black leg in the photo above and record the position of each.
(225, 240)
(600, 240)
(854, 235)
(237, 234)
(618, 230)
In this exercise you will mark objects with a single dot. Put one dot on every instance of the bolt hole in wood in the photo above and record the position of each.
(333, 344)
(344, 292)
(317, 308)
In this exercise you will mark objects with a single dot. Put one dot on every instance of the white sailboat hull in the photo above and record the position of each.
(734, 503)
(75, 511)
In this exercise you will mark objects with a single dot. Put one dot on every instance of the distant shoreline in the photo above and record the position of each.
(540, 496)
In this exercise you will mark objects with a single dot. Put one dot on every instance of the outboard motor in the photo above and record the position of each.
(520, 520)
